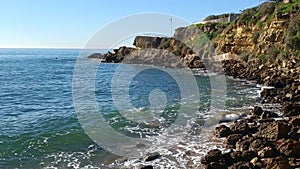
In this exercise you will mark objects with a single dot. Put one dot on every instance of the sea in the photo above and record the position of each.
(41, 124)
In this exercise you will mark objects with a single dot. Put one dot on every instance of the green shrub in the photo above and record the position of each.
(297, 53)
(260, 24)
(246, 16)
(283, 55)
(263, 57)
(245, 57)
(298, 35)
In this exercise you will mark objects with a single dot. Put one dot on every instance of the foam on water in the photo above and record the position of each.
(40, 129)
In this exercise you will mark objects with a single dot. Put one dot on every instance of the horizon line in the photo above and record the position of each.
(70, 48)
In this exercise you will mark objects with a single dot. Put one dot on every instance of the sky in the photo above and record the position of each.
(73, 23)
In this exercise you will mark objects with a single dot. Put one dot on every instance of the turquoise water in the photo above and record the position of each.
(38, 122)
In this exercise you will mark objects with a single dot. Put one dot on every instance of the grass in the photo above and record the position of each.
(260, 24)
(298, 35)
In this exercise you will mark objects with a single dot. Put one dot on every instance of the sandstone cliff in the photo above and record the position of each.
(268, 31)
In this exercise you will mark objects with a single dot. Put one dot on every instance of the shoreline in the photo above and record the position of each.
(265, 139)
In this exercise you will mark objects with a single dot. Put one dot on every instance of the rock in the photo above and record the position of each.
(268, 152)
(257, 163)
(212, 156)
(294, 162)
(274, 130)
(222, 131)
(291, 109)
(240, 127)
(289, 147)
(232, 139)
(248, 155)
(268, 114)
(228, 158)
(257, 111)
(147, 167)
(258, 144)
(152, 156)
(295, 121)
(242, 165)
(95, 56)
(244, 143)
(279, 162)
(235, 156)
(216, 165)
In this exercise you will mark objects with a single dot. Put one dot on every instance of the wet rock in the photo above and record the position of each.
(147, 167)
(289, 147)
(274, 130)
(257, 111)
(268, 114)
(212, 156)
(152, 156)
(268, 152)
(222, 131)
(279, 162)
(216, 165)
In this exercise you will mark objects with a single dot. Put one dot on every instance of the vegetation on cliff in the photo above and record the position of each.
(268, 31)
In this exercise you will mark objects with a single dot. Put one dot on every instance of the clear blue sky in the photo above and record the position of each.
(71, 23)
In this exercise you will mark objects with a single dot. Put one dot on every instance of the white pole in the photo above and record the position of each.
(171, 26)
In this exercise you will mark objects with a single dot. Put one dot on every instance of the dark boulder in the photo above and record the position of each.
(232, 139)
(212, 156)
(95, 56)
(147, 167)
(152, 156)
(222, 131)
(240, 127)
(257, 111)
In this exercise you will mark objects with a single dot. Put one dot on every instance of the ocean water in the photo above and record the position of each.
(40, 127)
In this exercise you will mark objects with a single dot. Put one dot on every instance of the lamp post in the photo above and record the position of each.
(171, 19)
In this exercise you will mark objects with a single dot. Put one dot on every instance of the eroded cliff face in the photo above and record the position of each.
(269, 30)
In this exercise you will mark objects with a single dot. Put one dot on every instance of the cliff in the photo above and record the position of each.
(269, 31)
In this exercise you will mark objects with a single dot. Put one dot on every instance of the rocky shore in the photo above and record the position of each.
(265, 139)
(267, 40)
